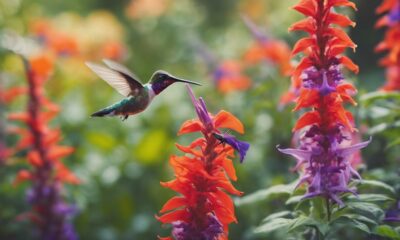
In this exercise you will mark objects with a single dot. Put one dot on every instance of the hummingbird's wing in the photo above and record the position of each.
(120, 81)
(121, 68)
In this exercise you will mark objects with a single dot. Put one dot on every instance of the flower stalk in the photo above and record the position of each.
(390, 43)
(324, 150)
(50, 213)
(204, 209)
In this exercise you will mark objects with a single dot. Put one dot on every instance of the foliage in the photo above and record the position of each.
(120, 164)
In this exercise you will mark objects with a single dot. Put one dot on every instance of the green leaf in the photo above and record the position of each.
(318, 207)
(377, 184)
(265, 194)
(383, 127)
(378, 95)
(360, 218)
(351, 223)
(387, 231)
(393, 143)
(360, 225)
(370, 198)
(369, 210)
(306, 222)
(294, 200)
(273, 225)
(277, 215)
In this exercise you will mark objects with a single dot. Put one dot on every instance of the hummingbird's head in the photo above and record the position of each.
(161, 80)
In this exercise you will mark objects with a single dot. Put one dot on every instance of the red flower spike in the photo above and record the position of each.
(48, 173)
(390, 43)
(320, 86)
(202, 177)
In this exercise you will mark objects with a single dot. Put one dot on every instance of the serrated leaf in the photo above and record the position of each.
(265, 194)
(387, 231)
(273, 225)
(377, 184)
(277, 215)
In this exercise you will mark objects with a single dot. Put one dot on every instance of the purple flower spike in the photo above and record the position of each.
(240, 146)
(325, 165)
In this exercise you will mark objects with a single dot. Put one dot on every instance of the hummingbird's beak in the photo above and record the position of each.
(175, 79)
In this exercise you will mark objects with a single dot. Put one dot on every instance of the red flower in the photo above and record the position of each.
(390, 43)
(229, 77)
(54, 40)
(47, 173)
(318, 71)
(6, 96)
(274, 51)
(266, 49)
(324, 155)
(204, 209)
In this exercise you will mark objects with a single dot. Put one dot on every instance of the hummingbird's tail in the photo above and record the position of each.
(103, 112)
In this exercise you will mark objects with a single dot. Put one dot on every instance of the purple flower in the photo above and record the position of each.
(211, 230)
(201, 109)
(56, 214)
(325, 165)
(393, 214)
(325, 81)
(394, 14)
(241, 147)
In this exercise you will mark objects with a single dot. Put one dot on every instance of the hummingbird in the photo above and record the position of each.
(137, 96)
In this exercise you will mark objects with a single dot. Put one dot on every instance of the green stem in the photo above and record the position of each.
(328, 209)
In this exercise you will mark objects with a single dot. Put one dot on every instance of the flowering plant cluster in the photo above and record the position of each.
(77, 37)
(390, 43)
(51, 214)
(323, 152)
(229, 75)
(204, 209)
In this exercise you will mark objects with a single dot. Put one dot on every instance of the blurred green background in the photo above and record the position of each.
(122, 163)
